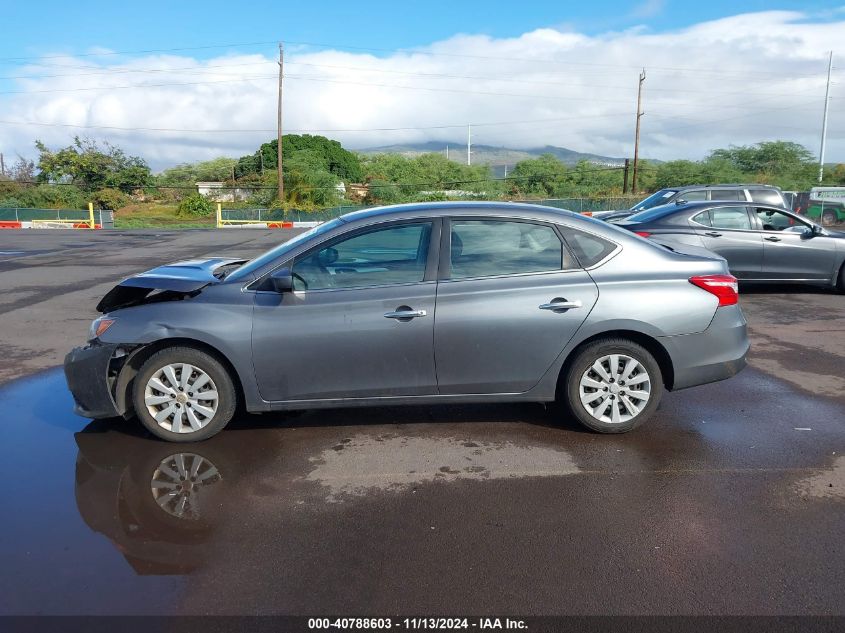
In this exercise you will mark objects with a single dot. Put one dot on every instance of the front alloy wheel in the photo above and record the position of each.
(182, 398)
(183, 394)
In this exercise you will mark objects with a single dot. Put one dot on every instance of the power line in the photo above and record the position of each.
(309, 130)
(442, 183)
(129, 71)
(137, 52)
(407, 51)
(510, 78)
(131, 86)
(564, 62)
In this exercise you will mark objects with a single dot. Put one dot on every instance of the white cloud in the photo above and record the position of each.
(648, 8)
(737, 80)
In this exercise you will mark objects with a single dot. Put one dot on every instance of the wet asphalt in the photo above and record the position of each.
(731, 500)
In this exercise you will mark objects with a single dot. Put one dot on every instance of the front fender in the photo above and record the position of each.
(220, 318)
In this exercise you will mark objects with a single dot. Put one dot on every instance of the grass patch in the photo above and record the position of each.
(148, 215)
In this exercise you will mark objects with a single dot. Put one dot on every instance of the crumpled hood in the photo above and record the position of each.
(173, 281)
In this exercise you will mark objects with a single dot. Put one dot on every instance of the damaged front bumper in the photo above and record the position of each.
(88, 372)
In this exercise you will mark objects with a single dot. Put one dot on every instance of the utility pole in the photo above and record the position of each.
(2, 166)
(625, 177)
(279, 127)
(447, 151)
(469, 144)
(824, 120)
(261, 160)
(637, 138)
(506, 171)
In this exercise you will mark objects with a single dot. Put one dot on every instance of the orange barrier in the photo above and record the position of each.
(8, 224)
(85, 225)
(280, 225)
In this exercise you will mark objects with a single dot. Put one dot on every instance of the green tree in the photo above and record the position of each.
(212, 170)
(544, 177)
(329, 154)
(308, 184)
(779, 162)
(91, 167)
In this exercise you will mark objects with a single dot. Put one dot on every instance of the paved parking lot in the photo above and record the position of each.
(731, 500)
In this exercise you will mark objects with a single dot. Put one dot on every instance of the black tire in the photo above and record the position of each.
(828, 218)
(840, 286)
(226, 396)
(584, 361)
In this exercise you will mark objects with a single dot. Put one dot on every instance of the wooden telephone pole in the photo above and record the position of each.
(637, 138)
(279, 127)
(824, 120)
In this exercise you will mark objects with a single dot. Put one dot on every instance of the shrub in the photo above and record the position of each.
(111, 199)
(195, 205)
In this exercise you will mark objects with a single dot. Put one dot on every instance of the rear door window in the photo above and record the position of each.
(702, 218)
(589, 249)
(730, 218)
(486, 248)
(766, 196)
(727, 194)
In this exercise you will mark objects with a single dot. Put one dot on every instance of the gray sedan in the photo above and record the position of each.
(415, 304)
(760, 243)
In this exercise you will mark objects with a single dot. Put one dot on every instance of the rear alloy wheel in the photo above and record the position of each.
(182, 394)
(613, 385)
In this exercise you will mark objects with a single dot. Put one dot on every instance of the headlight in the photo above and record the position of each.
(99, 326)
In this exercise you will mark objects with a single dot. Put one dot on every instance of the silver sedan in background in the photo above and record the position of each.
(416, 304)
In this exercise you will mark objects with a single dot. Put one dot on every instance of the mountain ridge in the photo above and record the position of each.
(495, 156)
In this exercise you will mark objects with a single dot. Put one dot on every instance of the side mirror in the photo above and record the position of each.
(282, 280)
(817, 230)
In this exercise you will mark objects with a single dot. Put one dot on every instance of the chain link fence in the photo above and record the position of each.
(582, 205)
(578, 205)
(286, 215)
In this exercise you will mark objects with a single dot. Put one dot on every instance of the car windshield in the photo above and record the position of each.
(652, 214)
(277, 251)
(656, 199)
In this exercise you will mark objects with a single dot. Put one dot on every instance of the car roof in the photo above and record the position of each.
(726, 186)
(721, 203)
(673, 207)
(439, 209)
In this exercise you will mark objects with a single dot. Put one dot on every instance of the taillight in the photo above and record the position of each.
(643, 233)
(725, 287)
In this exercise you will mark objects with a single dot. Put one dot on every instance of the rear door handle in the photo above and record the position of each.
(561, 305)
(405, 314)
(713, 233)
(772, 238)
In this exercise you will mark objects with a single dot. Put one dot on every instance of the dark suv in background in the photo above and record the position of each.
(762, 194)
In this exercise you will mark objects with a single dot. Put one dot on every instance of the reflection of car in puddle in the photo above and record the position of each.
(159, 507)
(179, 481)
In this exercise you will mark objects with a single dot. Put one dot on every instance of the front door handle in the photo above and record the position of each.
(772, 238)
(405, 314)
(560, 304)
(713, 233)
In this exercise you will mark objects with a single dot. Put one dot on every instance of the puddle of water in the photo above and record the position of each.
(825, 485)
(365, 463)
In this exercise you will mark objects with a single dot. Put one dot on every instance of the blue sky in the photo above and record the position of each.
(70, 27)
(195, 81)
